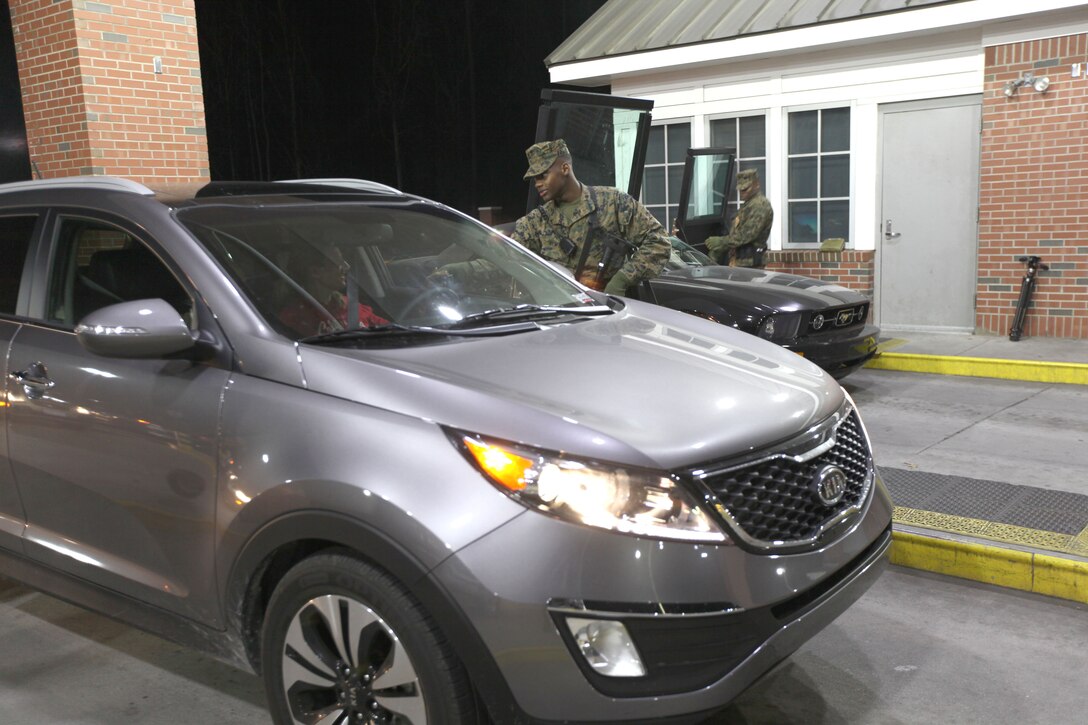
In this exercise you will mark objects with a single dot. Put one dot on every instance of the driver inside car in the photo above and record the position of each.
(322, 273)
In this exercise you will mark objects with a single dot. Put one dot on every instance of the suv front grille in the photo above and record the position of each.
(773, 501)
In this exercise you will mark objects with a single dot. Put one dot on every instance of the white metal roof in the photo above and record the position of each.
(631, 26)
(628, 38)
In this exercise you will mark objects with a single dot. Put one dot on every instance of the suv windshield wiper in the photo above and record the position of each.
(396, 330)
(525, 313)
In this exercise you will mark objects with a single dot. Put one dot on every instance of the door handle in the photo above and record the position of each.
(888, 233)
(35, 379)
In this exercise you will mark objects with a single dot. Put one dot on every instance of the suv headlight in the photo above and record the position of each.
(780, 326)
(611, 497)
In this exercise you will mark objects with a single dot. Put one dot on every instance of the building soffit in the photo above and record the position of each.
(636, 37)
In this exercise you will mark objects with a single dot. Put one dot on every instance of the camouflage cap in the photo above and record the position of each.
(746, 178)
(542, 155)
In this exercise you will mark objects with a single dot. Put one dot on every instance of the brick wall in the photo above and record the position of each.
(1034, 188)
(849, 268)
(93, 102)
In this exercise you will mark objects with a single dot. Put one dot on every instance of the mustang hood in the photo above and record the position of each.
(775, 290)
(644, 386)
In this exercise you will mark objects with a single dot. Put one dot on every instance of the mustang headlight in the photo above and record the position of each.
(609, 497)
(780, 326)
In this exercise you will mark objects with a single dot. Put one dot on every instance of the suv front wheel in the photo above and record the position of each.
(344, 642)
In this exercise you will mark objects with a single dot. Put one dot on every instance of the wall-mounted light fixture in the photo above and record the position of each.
(1027, 78)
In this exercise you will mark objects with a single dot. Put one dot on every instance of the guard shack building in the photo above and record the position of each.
(941, 140)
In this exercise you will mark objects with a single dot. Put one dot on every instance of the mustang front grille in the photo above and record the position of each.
(837, 318)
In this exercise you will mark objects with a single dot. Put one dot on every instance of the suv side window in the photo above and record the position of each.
(15, 233)
(97, 264)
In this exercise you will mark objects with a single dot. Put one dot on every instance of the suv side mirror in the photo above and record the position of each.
(137, 329)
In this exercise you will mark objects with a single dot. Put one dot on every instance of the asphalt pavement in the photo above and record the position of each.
(917, 649)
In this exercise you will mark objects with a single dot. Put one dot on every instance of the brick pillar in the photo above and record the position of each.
(112, 87)
(1033, 191)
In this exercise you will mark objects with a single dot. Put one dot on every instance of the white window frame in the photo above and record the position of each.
(764, 180)
(669, 163)
(784, 166)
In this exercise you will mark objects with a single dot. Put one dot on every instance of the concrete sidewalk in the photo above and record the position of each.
(988, 469)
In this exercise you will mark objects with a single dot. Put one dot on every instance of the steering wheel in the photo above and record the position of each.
(430, 298)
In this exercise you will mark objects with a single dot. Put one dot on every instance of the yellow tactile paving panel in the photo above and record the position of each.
(1003, 533)
(1061, 574)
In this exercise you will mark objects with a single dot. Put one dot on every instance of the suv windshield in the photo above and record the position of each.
(315, 270)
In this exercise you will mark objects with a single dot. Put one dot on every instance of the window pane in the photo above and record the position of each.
(655, 149)
(653, 186)
(753, 136)
(676, 177)
(835, 220)
(803, 177)
(835, 132)
(97, 264)
(679, 137)
(708, 178)
(15, 234)
(721, 168)
(835, 175)
(803, 132)
(723, 133)
(659, 214)
(802, 222)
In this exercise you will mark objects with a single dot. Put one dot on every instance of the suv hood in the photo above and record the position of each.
(773, 290)
(644, 386)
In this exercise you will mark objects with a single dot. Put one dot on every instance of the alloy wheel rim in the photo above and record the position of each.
(343, 664)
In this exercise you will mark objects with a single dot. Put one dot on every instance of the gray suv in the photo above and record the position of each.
(404, 469)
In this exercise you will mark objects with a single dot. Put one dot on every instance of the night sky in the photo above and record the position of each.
(437, 98)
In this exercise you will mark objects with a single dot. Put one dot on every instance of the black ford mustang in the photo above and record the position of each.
(824, 322)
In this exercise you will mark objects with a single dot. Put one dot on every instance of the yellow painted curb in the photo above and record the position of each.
(982, 367)
(1053, 576)
(1062, 578)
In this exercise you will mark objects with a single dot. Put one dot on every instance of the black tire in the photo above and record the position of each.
(398, 667)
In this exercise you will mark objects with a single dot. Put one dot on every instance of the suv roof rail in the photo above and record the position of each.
(357, 184)
(109, 183)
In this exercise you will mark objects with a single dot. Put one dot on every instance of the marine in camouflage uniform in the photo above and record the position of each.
(626, 244)
(747, 241)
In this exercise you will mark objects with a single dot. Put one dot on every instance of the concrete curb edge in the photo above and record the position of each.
(1028, 571)
(980, 367)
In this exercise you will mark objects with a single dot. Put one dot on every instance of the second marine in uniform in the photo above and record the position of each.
(746, 242)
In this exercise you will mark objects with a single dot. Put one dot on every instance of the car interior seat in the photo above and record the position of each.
(132, 273)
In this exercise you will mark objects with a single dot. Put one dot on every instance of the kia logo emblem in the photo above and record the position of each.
(830, 484)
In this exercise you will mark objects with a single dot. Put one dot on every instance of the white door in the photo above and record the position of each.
(927, 249)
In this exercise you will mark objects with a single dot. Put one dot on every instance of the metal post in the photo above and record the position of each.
(1027, 286)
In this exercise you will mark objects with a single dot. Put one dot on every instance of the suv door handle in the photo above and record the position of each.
(35, 379)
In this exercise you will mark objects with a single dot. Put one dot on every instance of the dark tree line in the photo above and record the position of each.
(437, 98)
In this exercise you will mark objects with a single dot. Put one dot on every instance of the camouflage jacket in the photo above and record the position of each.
(751, 227)
(543, 230)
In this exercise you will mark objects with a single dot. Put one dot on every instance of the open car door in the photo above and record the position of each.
(607, 136)
(705, 191)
